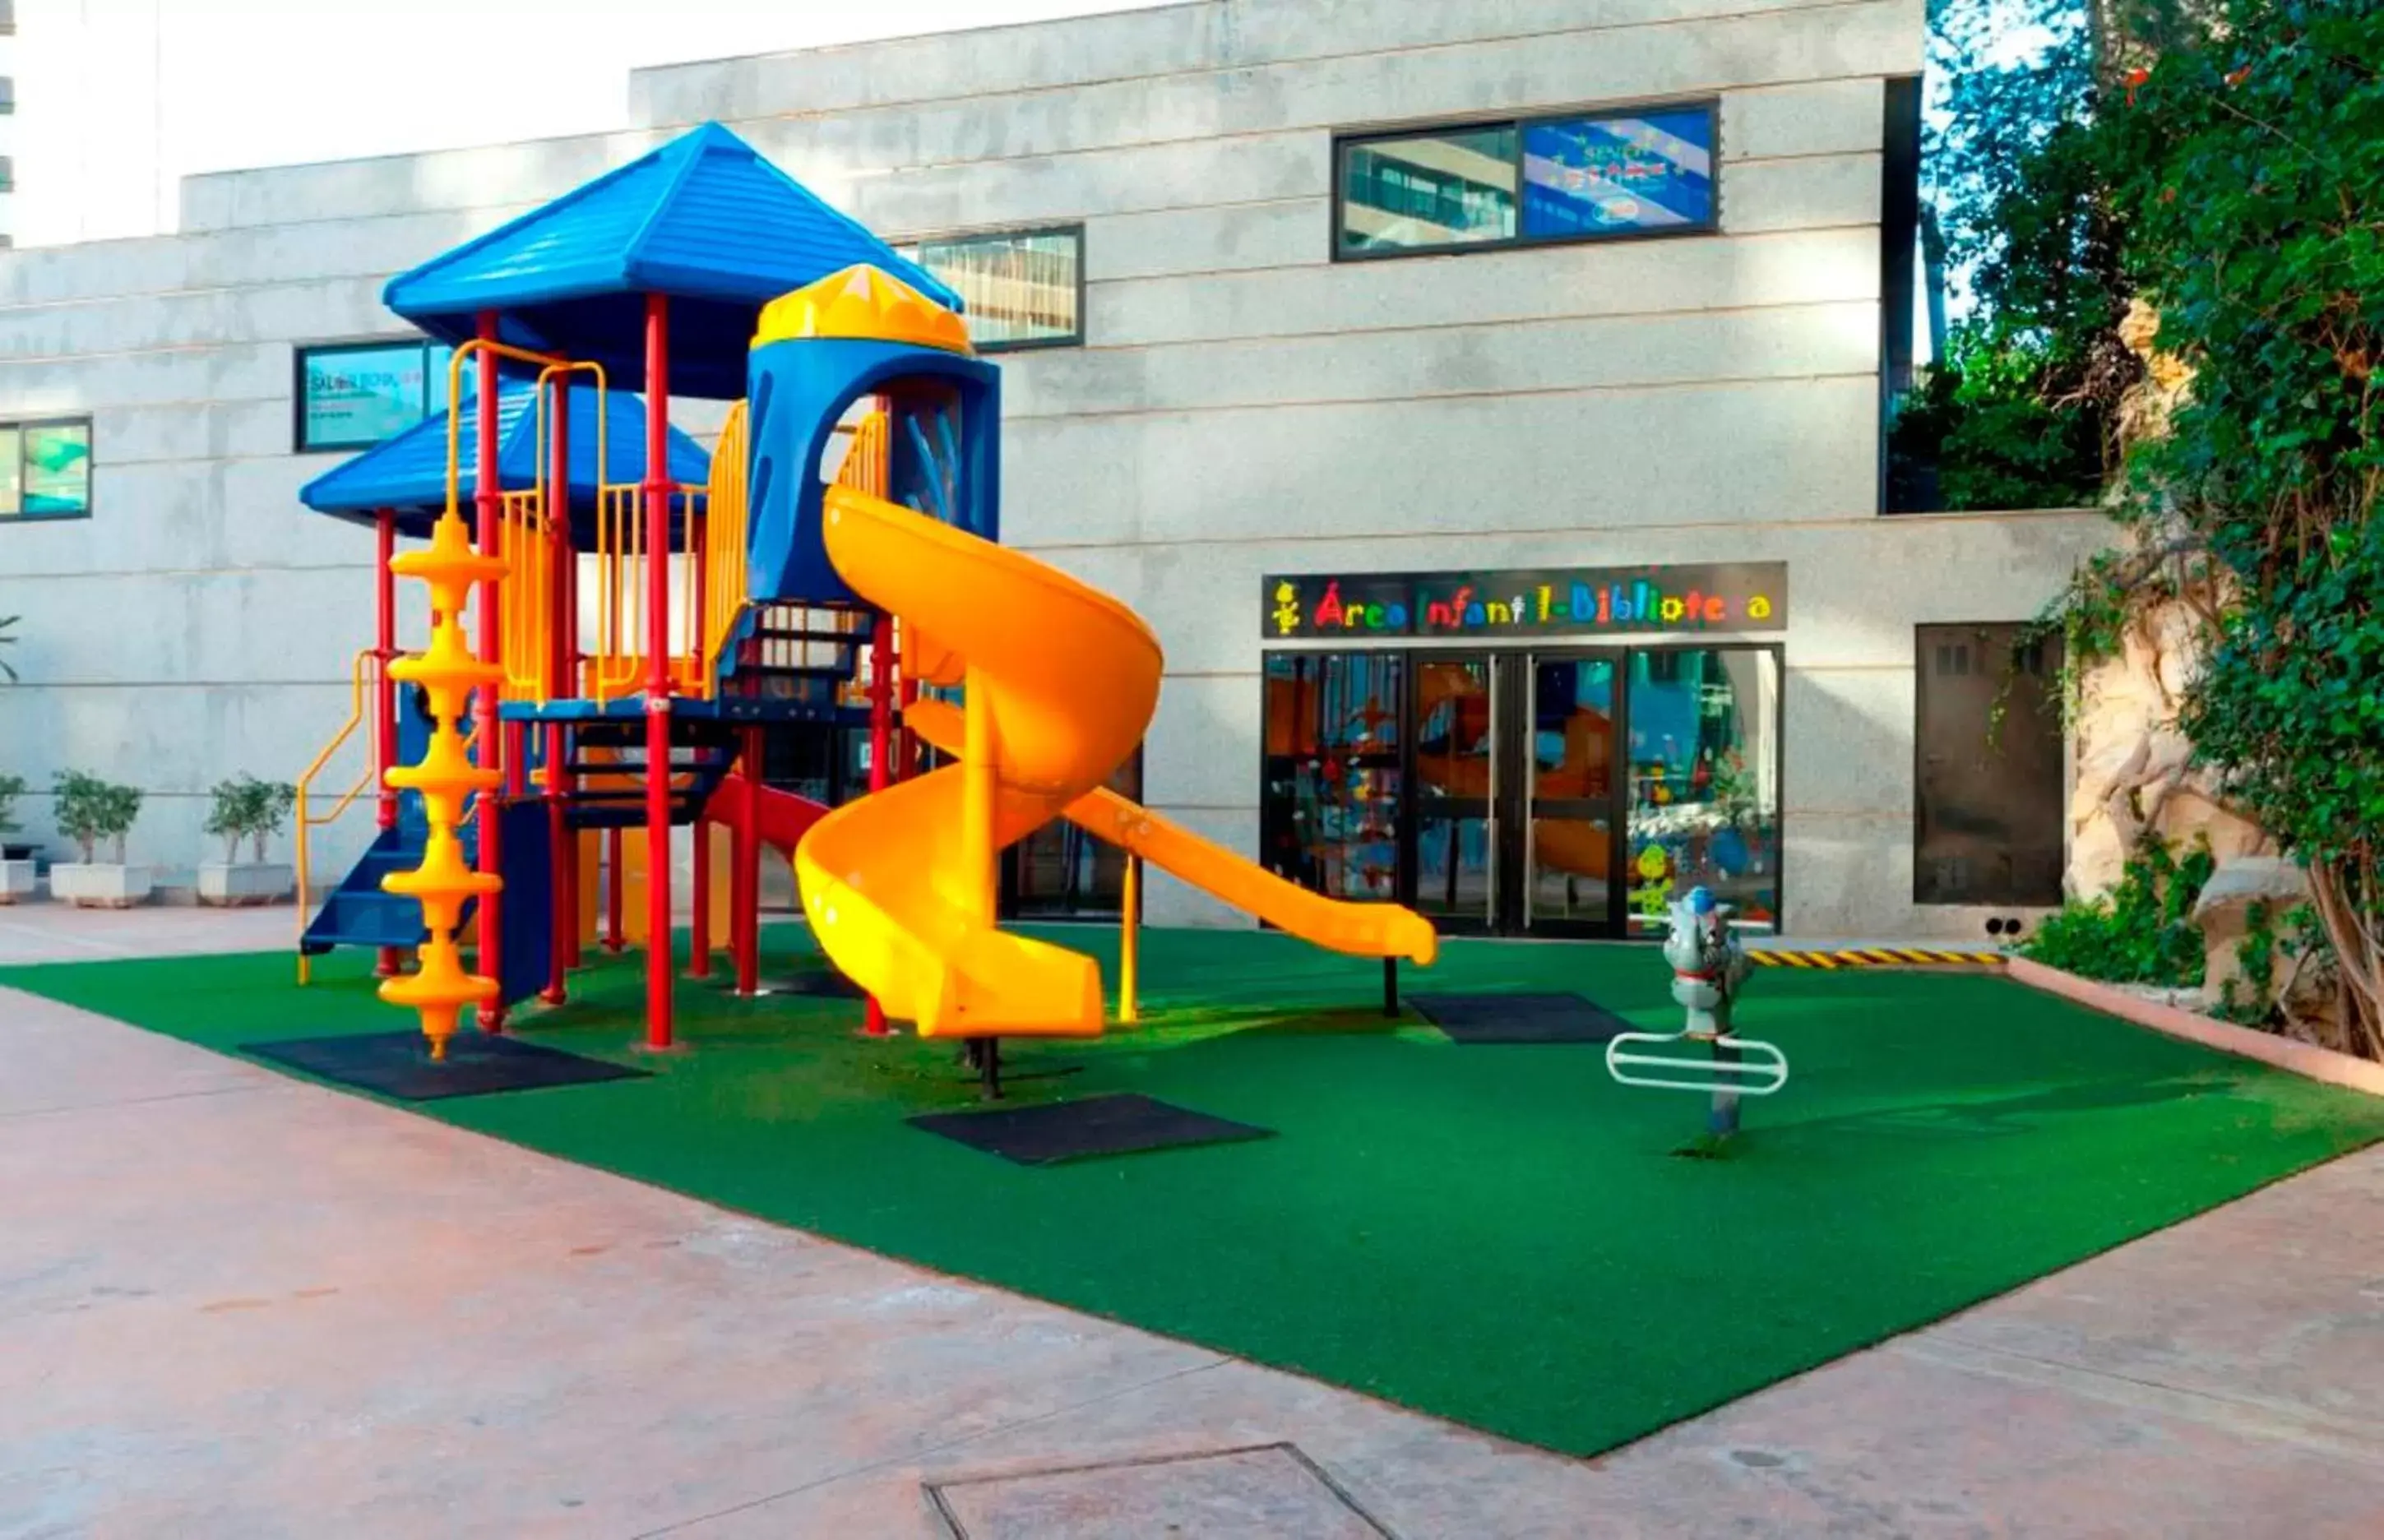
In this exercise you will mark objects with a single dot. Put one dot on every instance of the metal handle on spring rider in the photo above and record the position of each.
(1760, 1070)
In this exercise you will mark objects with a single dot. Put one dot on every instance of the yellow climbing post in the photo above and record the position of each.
(448, 674)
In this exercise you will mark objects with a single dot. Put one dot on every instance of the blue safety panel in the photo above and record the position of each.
(407, 471)
(526, 924)
(802, 388)
(704, 221)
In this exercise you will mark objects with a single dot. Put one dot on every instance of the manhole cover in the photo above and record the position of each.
(1267, 1492)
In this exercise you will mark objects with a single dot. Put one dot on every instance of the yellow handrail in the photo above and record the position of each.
(363, 673)
(557, 504)
(866, 467)
(455, 394)
(617, 668)
(527, 611)
(727, 590)
(694, 585)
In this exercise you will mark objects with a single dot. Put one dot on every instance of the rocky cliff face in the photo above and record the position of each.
(2135, 770)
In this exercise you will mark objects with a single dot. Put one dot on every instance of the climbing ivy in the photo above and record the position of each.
(2236, 164)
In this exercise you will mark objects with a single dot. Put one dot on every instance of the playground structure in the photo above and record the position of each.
(1708, 970)
(641, 620)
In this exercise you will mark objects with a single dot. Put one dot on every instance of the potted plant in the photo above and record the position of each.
(253, 810)
(18, 873)
(89, 811)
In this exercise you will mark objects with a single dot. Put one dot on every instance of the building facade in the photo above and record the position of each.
(7, 123)
(1483, 402)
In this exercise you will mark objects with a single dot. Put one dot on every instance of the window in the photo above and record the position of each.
(1023, 288)
(1331, 786)
(1989, 814)
(1062, 873)
(45, 469)
(1583, 176)
(351, 395)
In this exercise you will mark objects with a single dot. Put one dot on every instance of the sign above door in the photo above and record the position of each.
(1742, 597)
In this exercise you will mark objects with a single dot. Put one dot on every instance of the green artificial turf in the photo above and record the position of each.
(1499, 1236)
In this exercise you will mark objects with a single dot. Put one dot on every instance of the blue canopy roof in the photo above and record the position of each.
(407, 472)
(704, 221)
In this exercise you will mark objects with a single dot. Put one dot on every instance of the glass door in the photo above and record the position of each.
(1704, 782)
(1457, 781)
(1563, 773)
(1329, 815)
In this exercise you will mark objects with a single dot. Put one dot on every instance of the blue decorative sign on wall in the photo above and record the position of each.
(1643, 171)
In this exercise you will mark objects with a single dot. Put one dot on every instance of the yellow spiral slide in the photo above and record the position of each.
(1061, 681)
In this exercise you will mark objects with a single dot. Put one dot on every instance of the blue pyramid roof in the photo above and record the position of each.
(407, 472)
(704, 221)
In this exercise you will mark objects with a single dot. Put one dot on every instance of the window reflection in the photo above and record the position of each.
(1703, 782)
(1332, 786)
(1428, 190)
(1062, 873)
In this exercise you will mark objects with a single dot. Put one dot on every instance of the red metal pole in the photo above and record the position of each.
(393, 959)
(745, 876)
(881, 749)
(908, 763)
(489, 497)
(700, 858)
(568, 685)
(615, 894)
(564, 906)
(698, 963)
(658, 675)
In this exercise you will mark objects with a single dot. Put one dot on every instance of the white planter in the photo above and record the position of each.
(245, 883)
(17, 880)
(100, 885)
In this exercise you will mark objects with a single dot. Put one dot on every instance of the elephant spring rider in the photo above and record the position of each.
(1708, 970)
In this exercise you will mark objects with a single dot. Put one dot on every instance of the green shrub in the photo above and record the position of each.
(11, 788)
(90, 810)
(248, 808)
(2143, 933)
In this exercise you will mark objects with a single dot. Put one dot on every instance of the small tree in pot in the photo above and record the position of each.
(17, 871)
(90, 811)
(246, 808)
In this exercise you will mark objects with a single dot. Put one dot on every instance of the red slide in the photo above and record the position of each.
(784, 818)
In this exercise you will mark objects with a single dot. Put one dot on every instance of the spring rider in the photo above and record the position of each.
(1708, 970)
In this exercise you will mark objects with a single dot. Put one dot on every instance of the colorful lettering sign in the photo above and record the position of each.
(1744, 597)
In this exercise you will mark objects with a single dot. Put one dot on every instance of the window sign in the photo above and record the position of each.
(438, 369)
(1740, 597)
(352, 398)
(351, 395)
(45, 469)
(1614, 174)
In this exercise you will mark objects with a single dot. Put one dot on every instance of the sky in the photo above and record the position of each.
(117, 99)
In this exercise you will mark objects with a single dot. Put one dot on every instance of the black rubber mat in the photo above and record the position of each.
(820, 983)
(1520, 1018)
(1080, 1130)
(399, 1064)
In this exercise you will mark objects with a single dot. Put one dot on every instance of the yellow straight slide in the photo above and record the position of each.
(1357, 929)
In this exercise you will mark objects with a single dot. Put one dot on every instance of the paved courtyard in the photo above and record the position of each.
(234, 1305)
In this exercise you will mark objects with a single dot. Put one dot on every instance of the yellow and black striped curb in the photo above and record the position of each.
(1875, 957)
